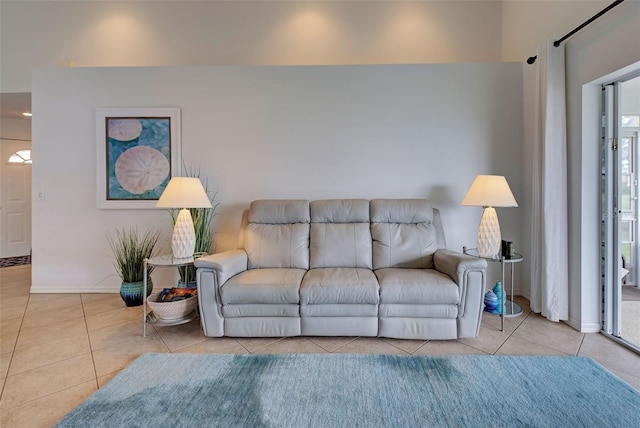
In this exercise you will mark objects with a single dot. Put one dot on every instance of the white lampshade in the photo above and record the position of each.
(184, 193)
(489, 191)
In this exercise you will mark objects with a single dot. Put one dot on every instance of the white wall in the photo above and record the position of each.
(274, 132)
(608, 44)
(35, 34)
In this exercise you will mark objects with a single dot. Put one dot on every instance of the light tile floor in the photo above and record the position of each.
(57, 349)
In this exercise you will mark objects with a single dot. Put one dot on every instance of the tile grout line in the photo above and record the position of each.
(24, 403)
(241, 345)
(15, 344)
(12, 354)
(348, 343)
(581, 343)
(86, 327)
(512, 333)
(279, 339)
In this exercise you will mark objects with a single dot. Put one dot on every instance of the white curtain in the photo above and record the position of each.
(549, 264)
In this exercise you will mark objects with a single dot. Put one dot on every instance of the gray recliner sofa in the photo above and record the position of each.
(343, 267)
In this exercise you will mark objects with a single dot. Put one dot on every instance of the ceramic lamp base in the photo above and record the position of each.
(183, 241)
(489, 238)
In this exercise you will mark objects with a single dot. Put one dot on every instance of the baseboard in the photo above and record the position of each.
(63, 289)
(584, 328)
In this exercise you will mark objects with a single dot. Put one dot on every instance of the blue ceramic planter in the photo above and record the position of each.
(131, 292)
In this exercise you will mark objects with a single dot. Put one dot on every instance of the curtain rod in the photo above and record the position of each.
(556, 43)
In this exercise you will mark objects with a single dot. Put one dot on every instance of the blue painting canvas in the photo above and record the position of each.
(138, 157)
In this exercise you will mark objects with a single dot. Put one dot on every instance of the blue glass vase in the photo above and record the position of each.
(491, 302)
(497, 289)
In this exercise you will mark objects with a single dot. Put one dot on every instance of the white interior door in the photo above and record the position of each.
(15, 201)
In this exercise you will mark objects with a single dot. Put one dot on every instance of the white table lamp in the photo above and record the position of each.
(489, 191)
(184, 193)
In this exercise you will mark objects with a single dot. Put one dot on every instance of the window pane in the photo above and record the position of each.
(630, 121)
(21, 156)
(24, 154)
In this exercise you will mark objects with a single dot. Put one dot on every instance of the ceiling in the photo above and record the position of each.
(14, 104)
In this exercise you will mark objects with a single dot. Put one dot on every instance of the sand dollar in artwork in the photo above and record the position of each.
(124, 129)
(141, 168)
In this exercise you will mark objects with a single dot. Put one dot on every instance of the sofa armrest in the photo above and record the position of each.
(226, 264)
(455, 264)
(470, 274)
(213, 271)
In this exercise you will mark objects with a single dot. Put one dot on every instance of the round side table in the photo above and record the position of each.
(511, 308)
(164, 261)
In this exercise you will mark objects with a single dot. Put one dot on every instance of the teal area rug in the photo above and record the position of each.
(198, 390)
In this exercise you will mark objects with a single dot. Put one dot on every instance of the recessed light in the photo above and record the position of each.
(27, 113)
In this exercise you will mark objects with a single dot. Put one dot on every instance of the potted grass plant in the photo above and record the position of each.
(202, 218)
(130, 248)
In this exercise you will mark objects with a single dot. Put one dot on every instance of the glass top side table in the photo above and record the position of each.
(163, 261)
(511, 308)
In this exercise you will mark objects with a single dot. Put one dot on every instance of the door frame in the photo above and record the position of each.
(611, 210)
(16, 144)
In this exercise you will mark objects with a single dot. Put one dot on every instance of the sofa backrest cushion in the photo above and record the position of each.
(403, 232)
(340, 234)
(277, 235)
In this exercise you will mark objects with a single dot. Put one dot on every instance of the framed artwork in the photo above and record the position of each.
(138, 151)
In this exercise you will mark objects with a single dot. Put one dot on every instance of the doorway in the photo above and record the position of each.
(620, 172)
(15, 198)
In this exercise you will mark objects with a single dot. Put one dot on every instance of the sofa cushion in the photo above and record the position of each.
(406, 211)
(277, 246)
(271, 286)
(279, 211)
(403, 310)
(339, 285)
(340, 234)
(416, 286)
(340, 245)
(261, 310)
(403, 233)
(277, 235)
(339, 310)
(340, 211)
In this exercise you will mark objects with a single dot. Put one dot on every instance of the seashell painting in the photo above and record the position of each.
(142, 152)
(124, 129)
(141, 169)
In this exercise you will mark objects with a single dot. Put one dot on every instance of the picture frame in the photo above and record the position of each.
(138, 151)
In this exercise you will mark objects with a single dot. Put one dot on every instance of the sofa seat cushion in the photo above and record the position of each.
(270, 286)
(343, 310)
(261, 310)
(339, 285)
(416, 286)
(400, 310)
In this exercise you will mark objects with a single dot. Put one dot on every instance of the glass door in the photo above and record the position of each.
(620, 234)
